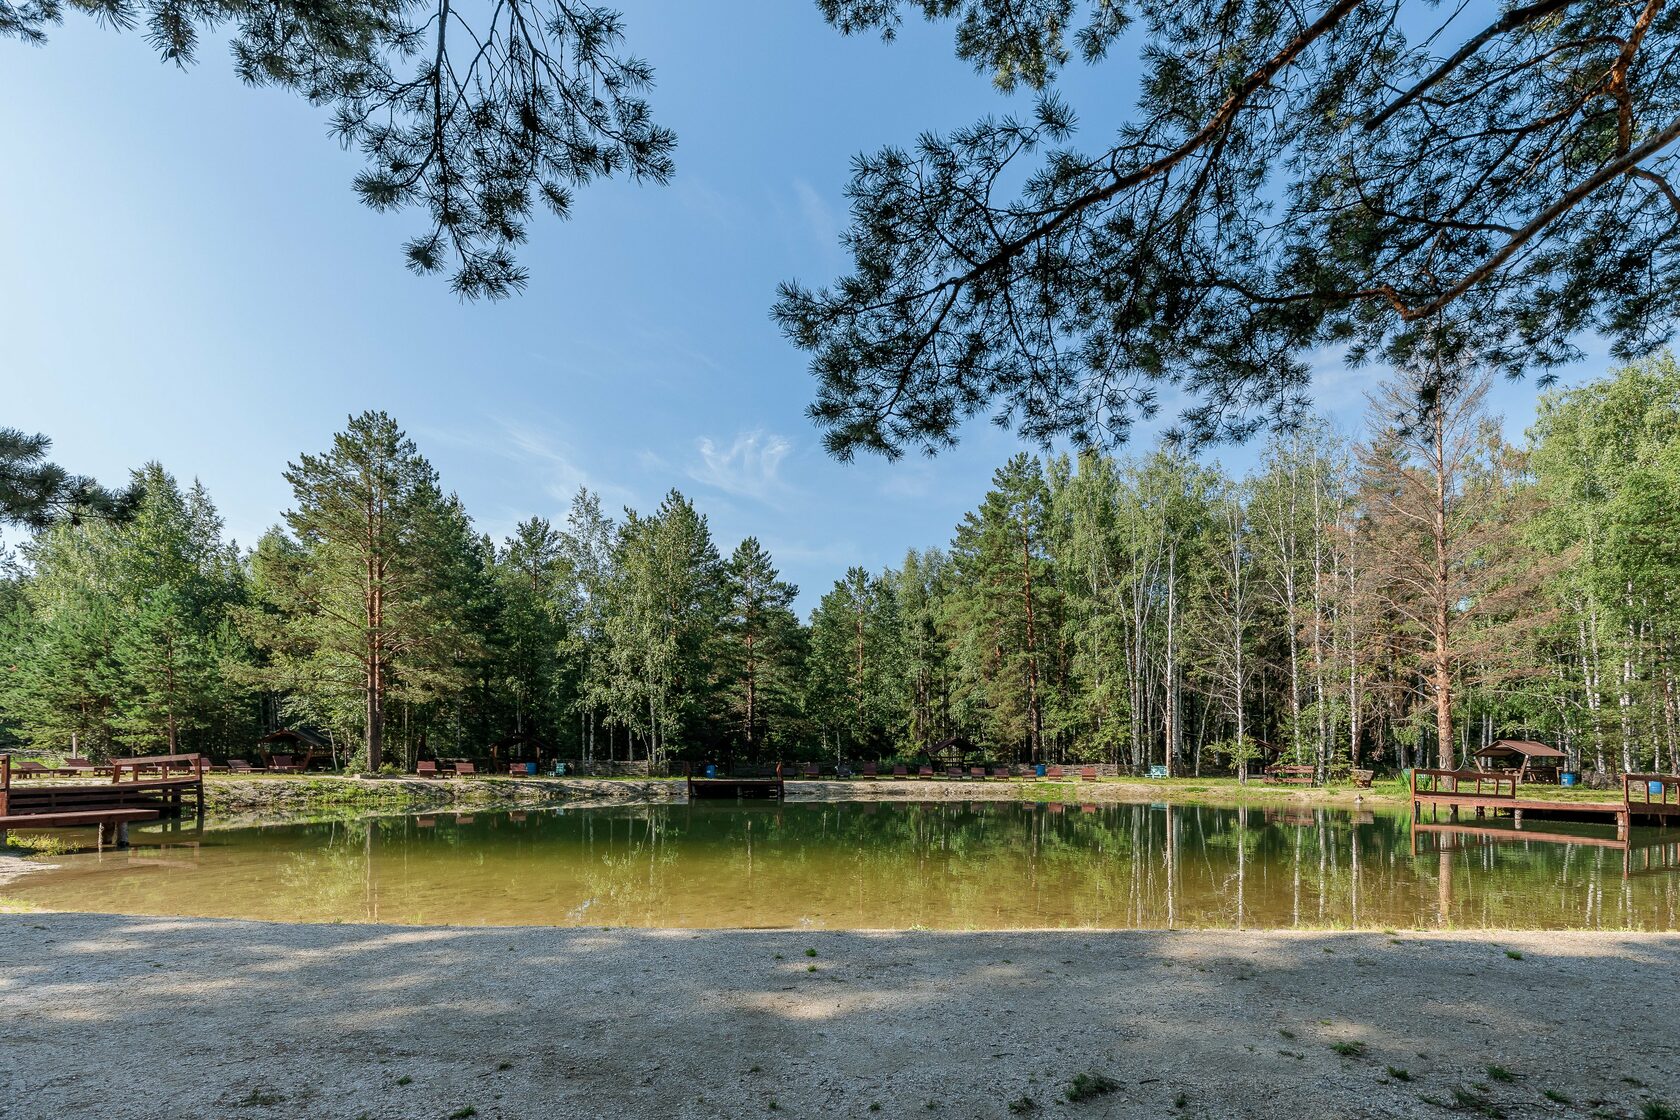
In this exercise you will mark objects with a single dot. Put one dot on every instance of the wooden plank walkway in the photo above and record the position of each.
(730, 788)
(1645, 796)
(111, 823)
(108, 806)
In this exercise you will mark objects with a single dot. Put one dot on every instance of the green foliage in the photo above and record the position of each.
(35, 492)
(1155, 611)
(1084, 1086)
(472, 116)
(122, 636)
(1206, 243)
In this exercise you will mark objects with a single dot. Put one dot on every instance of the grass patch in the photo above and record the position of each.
(1022, 1105)
(1500, 1073)
(466, 1113)
(1181, 1101)
(1467, 1100)
(810, 952)
(405, 1079)
(1513, 954)
(1350, 1049)
(1556, 1097)
(1658, 1110)
(1399, 1074)
(501, 1066)
(259, 1098)
(48, 845)
(1084, 1086)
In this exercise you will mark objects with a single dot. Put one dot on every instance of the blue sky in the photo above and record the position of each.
(189, 278)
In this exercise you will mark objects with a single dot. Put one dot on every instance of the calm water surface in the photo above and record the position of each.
(954, 865)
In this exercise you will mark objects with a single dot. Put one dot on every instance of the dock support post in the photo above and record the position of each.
(1516, 817)
(114, 834)
(1622, 825)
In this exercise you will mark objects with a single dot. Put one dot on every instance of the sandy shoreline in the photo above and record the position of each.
(139, 1017)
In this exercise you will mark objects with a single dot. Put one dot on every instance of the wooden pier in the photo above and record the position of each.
(140, 789)
(1651, 797)
(757, 787)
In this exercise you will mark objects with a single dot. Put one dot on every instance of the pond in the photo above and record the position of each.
(889, 865)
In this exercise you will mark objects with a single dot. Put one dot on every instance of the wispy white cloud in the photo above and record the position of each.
(818, 215)
(750, 467)
(556, 463)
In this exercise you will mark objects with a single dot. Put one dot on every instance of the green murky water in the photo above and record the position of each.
(953, 865)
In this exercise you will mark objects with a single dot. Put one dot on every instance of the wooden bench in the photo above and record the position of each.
(1292, 775)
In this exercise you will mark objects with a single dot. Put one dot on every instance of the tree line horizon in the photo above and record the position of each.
(1399, 599)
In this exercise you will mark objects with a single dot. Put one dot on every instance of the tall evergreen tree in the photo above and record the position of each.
(853, 686)
(359, 592)
(1009, 604)
(759, 647)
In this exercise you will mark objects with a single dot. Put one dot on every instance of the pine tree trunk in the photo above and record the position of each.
(1442, 668)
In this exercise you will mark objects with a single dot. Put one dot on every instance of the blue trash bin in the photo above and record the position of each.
(1568, 778)
(1039, 770)
(711, 769)
(1655, 788)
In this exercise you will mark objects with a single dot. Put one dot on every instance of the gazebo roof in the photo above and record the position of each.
(286, 733)
(1528, 748)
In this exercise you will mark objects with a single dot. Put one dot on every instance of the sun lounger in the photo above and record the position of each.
(465, 769)
(900, 772)
(870, 770)
(282, 764)
(924, 772)
(1000, 772)
(1087, 773)
(31, 769)
(978, 773)
(1054, 773)
(426, 768)
(239, 766)
(812, 770)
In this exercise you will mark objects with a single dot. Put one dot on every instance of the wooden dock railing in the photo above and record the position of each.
(1656, 795)
(1468, 783)
(192, 766)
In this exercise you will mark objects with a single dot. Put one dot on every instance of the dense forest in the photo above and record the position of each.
(1406, 595)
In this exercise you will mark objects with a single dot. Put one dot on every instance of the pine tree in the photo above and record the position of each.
(853, 679)
(359, 594)
(1009, 604)
(759, 647)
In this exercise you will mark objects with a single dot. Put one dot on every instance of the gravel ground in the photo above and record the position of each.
(120, 1018)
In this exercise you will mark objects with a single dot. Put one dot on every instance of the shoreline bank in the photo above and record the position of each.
(525, 1022)
(225, 795)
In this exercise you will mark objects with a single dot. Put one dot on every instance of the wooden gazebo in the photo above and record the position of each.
(293, 741)
(521, 746)
(1531, 761)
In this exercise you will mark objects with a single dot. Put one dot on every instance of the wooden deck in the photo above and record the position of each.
(111, 823)
(754, 787)
(1646, 797)
(140, 789)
